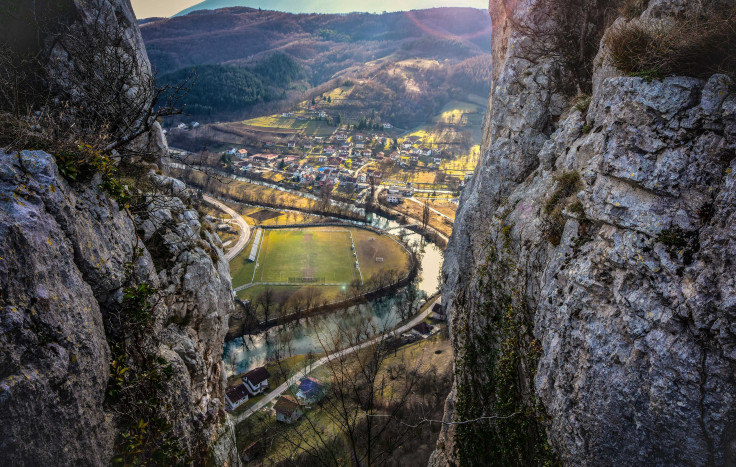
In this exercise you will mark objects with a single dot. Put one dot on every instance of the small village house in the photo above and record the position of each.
(438, 312)
(287, 410)
(251, 452)
(421, 330)
(235, 397)
(311, 391)
(256, 380)
(394, 198)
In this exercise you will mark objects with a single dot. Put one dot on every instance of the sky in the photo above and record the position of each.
(151, 8)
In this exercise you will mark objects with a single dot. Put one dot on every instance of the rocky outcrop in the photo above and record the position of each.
(591, 260)
(67, 254)
(112, 318)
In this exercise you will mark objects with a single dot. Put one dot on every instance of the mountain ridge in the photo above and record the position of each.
(311, 6)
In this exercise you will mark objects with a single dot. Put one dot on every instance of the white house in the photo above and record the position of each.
(235, 397)
(287, 410)
(195, 124)
(438, 312)
(394, 199)
(341, 137)
(387, 126)
(182, 126)
(256, 380)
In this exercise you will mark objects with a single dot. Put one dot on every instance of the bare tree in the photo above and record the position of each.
(425, 216)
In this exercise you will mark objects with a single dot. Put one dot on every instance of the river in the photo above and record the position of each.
(303, 337)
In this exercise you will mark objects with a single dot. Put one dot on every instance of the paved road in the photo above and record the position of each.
(242, 226)
(301, 374)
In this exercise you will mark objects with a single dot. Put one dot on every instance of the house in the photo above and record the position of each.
(414, 158)
(287, 114)
(251, 452)
(438, 312)
(291, 144)
(362, 178)
(341, 137)
(329, 150)
(438, 160)
(394, 190)
(406, 145)
(359, 137)
(268, 158)
(409, 192)
(231, 151)
(235, 397)
(394, 199)
(421, 330)
(322, 114)
(287, 410)
(256, 380)
(195, 124)
(182, 126)
(359, 145)
(367, 153)
(387, 126)
(311, 391)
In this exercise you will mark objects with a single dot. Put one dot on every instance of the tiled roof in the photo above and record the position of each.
(286, 405)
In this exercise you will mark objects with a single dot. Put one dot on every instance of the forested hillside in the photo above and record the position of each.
(243, 58)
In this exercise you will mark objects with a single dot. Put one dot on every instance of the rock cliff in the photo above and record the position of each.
(589, 276)
(112, 317)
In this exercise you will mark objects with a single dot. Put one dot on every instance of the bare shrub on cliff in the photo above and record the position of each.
(569, 33)
(89, 83)
(698, 44)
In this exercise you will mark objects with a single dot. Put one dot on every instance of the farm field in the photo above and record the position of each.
(290, 124)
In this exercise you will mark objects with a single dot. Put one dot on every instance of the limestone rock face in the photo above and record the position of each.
(67, 252)
(634, 310)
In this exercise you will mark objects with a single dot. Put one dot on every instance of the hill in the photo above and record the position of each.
(323, 6)
(285, 58)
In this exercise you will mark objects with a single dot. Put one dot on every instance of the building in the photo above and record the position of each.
(182, 126)
(235, 397)
(256, 380)
(421, 330)
(394, 199)
(311, 391)
(438, 312)
(287, 410)
(291, 144)
(341, 137)
(268, 158)
(387, 126)
(251, 452)
(195, 124)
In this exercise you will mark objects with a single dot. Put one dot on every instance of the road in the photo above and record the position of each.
(301, 374)
(243, 226)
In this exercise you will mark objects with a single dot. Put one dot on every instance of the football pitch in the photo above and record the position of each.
(303, 256)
